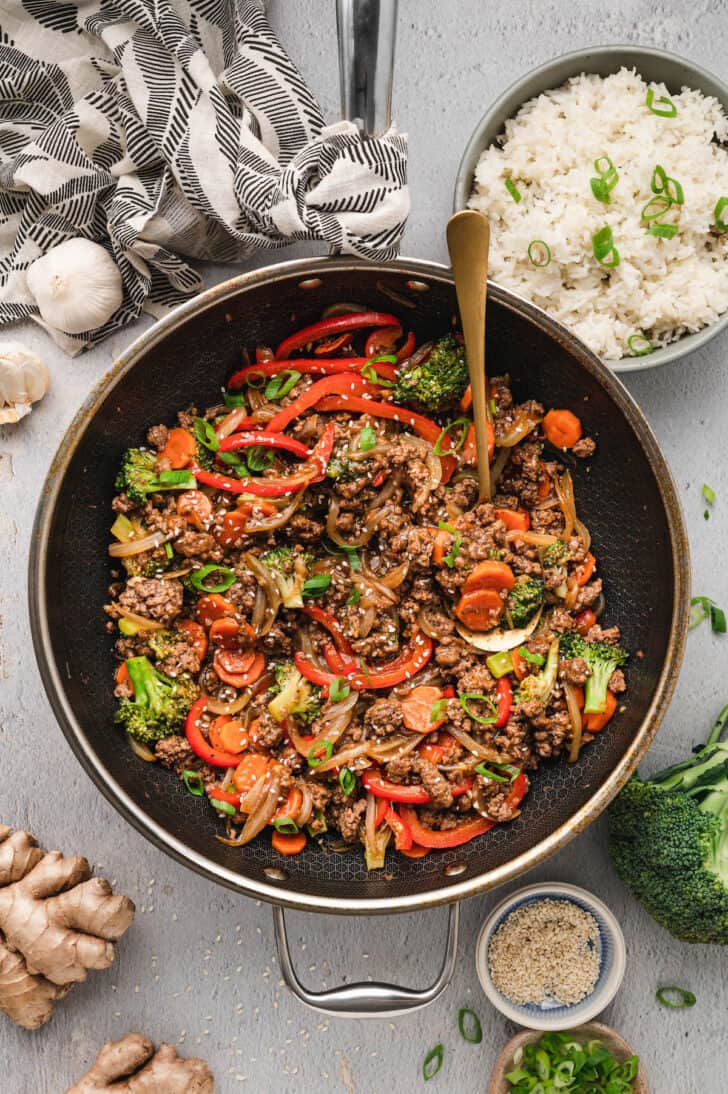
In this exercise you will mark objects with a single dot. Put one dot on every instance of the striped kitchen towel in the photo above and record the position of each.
(167, 130)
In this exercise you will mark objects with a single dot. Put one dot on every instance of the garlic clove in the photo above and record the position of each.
(23, 380)
(77, 286)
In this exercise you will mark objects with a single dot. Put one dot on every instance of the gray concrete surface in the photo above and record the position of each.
(198, 967)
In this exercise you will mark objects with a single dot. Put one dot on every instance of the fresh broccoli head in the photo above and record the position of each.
(556, 554)
(159, 705)
(538, 686)
(139, 477)
(668, 838)
(438, 382)
(601, 659)
(524, 600)
(289, 570)
(294, 695)
(162, 643)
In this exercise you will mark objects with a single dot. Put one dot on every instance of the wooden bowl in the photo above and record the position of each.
(617, 1045)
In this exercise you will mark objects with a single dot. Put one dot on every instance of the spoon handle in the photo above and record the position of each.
(468, 239)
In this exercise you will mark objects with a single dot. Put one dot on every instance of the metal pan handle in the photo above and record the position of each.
(366, 31)
(370, 999)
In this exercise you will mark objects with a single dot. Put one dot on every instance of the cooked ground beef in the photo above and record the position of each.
(181, 658)
(384, 716)
(584, 448)
(575, 672)
(153, 598)
(157, 436)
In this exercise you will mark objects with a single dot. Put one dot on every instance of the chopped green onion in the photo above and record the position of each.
(539, 253)
(176, 480)
(432, 1061)
(639, 345)
(702, 607)
(663, 231)
(338, 689)
(469, 1026)
(474, 696)
(367, 438)
(513, 190)
(194, 782)
(603, 247)
(205, 434)
(532, 658)
(493, 408)
(354, 596)
(454, 551)
(255, 379)
(223, 807)
(709, 494)
(656, 207)
(720, 224)
(314, 759)
(500, 664)
(169, 550)
(285, 825)
(669, 110)
(233, 399)
(384, 359)
(608, 178)
(347, 781)
(464, 424)
(317, 585)
(259, 458)
(438, 710)
(198, 578)
(684, 998)
(504, 773)
(370, 373)
(280, 385)
(317, 825)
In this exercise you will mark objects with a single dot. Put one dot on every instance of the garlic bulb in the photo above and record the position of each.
(23, 380)
(77, 286)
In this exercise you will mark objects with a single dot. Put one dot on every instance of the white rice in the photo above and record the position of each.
(662, 288)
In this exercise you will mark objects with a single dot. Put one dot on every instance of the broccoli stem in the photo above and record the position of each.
(595, 692)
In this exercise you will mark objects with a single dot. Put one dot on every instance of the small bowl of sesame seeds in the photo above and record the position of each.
(550, 956)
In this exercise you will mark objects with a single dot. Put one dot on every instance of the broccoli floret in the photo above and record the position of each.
(342, 468)
(602, 660)
(289, 570)
(139, 477)
(525, 598)
(159, 705)
(439, 381)
(540, 685)
(294, 695)
(163, 642)
(668, 838)
(556, 554)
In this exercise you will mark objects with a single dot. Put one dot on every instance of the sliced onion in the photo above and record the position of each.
(497, 640)
(598, 605)
(394, 578)
(392, 484)
(136, 546)
(343, 758)
(234, 707)
(336, 536)
(370, 820)
(139, 749)
(565, 493)
(521, 427)
(257, 820)
(175, 573)
(337, 720)
(281, 518)
(472, 745)
(230, 424)
(395, 746)
(140, 620)
(250, 801)
(572, 593)
(426, 626)
(576, 722)
(369, 453)
(304, 813)
(367, 622)
(273, 596)
(534, 539)
(499, 465)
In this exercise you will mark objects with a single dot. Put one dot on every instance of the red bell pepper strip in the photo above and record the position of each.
(382, 341)
(336, 324)
(517, 791)
(505, 701)
(422, 426)
(224, 796)
(402, 668)
(267, 440)
(448, 837)
(402, 834)
(317, 676)
(344, 385)
(407, 348)
(202, 748)
(327, 620)
(314, 470)
(319, 366)
(412, 793)
(382, 810)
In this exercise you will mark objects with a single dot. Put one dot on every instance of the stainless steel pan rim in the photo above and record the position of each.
(278, 892)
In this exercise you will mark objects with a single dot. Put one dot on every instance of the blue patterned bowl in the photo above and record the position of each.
(551, 1015)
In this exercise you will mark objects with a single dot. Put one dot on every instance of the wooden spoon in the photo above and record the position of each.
(468, 239)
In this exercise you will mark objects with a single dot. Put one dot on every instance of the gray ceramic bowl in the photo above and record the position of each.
(653, 65)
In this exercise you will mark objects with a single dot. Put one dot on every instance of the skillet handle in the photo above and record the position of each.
(368, 999)
(366, 32)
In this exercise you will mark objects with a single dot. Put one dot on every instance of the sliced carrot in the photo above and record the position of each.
(196, 506)
(238, 668)
(515, 520)
(292, 805)
(196, 636)
(586, 570)
(251, 768)
(179, 451)
(594, 723)
(520, 665)
(469, 451)
(122, 674)
(480, 610)
(213, 606)
(415, 851)
(228, 734)
(288, 845)
(225, 632)
(436, 752)
(562, 428)
(441, 546)
(467, 400)
(490, 575)
(544, 487)
(417, 707)
(233, 528)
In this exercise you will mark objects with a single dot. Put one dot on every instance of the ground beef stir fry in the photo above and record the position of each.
(320, 629)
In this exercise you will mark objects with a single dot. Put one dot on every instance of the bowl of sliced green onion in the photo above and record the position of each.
(592, 1058)
(626, 245)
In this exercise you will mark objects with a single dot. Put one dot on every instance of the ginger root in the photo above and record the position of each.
(131, 1066)
(56, 923)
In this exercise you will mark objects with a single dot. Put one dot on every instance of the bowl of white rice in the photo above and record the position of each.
(604, 175)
